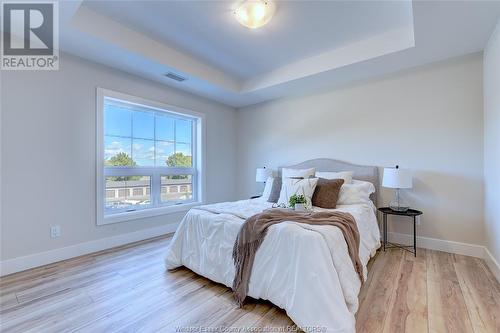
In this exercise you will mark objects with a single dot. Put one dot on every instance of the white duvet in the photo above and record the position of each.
(304, 269)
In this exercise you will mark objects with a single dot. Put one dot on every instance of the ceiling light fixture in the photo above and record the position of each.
(254, 14)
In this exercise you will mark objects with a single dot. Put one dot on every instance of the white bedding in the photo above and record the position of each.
(304, 269)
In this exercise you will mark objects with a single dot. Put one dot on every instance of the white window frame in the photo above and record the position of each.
(198, 146)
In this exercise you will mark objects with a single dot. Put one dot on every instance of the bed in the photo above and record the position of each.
(304, 269)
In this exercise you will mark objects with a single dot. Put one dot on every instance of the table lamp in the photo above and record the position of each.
(262, 174)
(397, 178)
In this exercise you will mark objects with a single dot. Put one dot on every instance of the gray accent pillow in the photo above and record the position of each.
(275, 190)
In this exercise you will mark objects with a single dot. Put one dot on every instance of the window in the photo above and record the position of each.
(176, 188)
(137, 192)
(130, 193)
(150, 158)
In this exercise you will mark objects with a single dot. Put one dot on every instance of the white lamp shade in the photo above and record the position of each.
(397, 178)
(262, 174)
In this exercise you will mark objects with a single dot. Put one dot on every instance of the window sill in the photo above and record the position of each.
(139, 214)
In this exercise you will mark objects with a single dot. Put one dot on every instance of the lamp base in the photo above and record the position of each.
(398, 204)
(399, 208)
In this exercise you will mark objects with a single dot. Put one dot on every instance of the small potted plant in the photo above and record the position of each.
(298, 202)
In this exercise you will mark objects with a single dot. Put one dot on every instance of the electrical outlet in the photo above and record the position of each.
(55, 231)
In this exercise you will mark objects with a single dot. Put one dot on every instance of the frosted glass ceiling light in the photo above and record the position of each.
(254, 14)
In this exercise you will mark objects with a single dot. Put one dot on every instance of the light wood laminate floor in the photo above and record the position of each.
(128, 290)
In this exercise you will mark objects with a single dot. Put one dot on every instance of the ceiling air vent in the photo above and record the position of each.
(175, 77)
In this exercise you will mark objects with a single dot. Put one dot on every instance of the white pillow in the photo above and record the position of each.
(267, 189)
(291, 186)
(297, 173)
(356, 193)
(345, 175)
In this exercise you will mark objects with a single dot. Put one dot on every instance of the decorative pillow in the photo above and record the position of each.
(267, 188)
(345, 175)
(297, 173)
(275, 190)
(293, 186)
(327, 192)
(356, 193)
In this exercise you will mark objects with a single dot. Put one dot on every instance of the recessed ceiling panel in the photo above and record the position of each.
(299, 29)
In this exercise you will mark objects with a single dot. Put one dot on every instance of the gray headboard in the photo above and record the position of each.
(361, 172)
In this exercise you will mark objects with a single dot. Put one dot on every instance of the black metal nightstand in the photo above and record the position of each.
(411, 213)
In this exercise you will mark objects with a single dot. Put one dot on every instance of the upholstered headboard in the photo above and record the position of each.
(361, 172)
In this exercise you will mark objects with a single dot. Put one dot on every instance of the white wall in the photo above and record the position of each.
(429, 119)
(492, 142)
(48, 153)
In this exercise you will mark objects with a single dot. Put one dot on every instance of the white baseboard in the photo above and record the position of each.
(492, 263)
(35, 260)
(465, 249)
(39, 259)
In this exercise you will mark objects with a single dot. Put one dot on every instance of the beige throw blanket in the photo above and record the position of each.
(253, 232)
